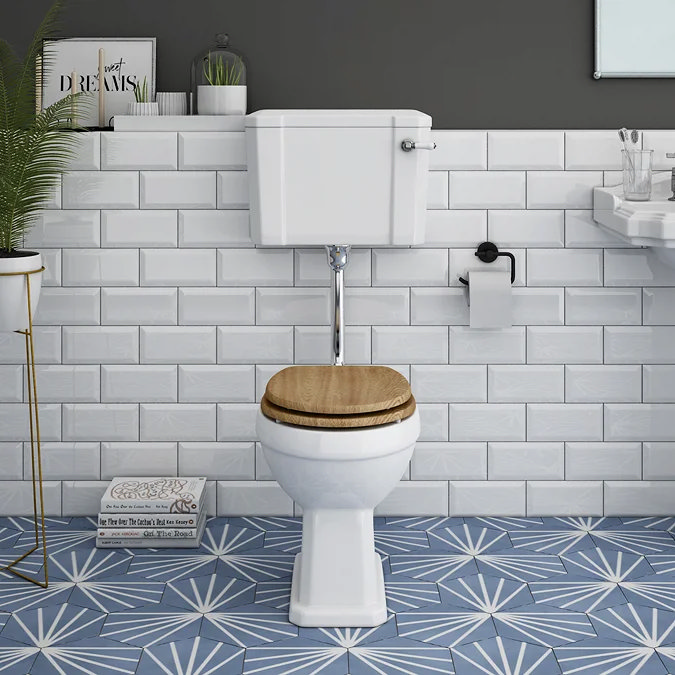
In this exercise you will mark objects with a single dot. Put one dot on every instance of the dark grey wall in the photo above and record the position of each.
(471, 64)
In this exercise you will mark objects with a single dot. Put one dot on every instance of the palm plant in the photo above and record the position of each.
(141, 91)
(36, 146)
(223, 73)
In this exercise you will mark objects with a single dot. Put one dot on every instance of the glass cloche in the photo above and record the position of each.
(220, 65)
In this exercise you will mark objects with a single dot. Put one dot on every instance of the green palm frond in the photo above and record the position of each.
(21, 76)
(36, 147)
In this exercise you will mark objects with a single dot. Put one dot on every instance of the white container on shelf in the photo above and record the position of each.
(143, 109)
(227, 99)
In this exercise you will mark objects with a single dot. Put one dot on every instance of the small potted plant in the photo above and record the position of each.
(142, 105)
(223, 95)
(36, 147)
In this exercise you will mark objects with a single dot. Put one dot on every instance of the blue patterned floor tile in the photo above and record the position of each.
(211, 593)
(268, 523)
(484, 593)
(88, 564)
(446, 628)
(434, 567)
(667, 656)
(501, 656)
(645, 626)
(26, 523)
(152, 624)
(581, 594)
(16, 594)
(275, 594)
(463, 584)
(58, 540)
(161, 566)
(520, 565)
(504, 523)
(256, 565)
(54, 625)
(8, 537)
(116, 594)
(585, 523)
(642, 542)
(92, 656)
(651, 523)
(16, 658)
(607, 565)
(552, 541)
(427, 523)
(229, 539)
(299, 656)
(193, 656)
(83, 523)
(393, 541)
(406, 594)
(32, 564)
(608, 657)
(468, 540)
(351, 637)
(543, 625)
(399, 655)
(662, 563)
(651, 591)
(248, 626)
(563, 535)
(288, 541)
(637, 624)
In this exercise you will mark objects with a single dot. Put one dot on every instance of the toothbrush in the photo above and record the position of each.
(623, 135)
(634, 136)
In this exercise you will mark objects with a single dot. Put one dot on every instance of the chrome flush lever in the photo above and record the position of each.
(671, 155)
(407, 145)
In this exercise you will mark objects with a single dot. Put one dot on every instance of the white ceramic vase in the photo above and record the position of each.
(228, 99)
(13, 299)
(134, 108)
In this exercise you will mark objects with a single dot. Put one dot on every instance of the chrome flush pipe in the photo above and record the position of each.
(338, 257)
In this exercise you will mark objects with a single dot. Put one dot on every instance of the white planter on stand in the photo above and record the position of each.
(134, 108)
(13, 288)
(227, 99)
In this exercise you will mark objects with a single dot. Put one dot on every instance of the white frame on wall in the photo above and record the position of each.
(634, 38)
(127, 60)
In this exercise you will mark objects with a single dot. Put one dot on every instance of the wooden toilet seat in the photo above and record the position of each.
(338, 396)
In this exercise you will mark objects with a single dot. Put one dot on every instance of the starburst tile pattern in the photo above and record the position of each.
(485, 596)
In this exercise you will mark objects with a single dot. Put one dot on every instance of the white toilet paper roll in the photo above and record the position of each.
(490, 303)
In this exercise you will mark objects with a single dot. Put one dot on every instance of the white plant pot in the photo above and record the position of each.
(13, 300)
(226, 99)
(134, 108)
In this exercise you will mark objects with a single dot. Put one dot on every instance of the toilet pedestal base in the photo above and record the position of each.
(337, 578)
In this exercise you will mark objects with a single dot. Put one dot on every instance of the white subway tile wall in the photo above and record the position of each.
(160, 323)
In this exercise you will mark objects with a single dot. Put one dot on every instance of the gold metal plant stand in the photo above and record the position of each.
(35, 457)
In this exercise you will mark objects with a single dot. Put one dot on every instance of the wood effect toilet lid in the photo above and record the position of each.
(338, 390)
(320, 420)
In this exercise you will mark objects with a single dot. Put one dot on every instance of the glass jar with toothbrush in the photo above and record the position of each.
(637, 167)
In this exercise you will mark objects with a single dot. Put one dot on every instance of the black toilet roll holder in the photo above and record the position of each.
(487, 252)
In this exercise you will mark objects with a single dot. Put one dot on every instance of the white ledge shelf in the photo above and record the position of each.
(178, 123)
(650, 223)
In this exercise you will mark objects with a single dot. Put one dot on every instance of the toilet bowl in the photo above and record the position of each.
(338, 439)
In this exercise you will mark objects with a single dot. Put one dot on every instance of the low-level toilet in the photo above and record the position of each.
(338, 439)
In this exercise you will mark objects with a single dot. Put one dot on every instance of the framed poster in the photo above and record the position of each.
(634, 38)
(124, 62)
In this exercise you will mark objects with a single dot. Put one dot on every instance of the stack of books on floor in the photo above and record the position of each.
(152, 512)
